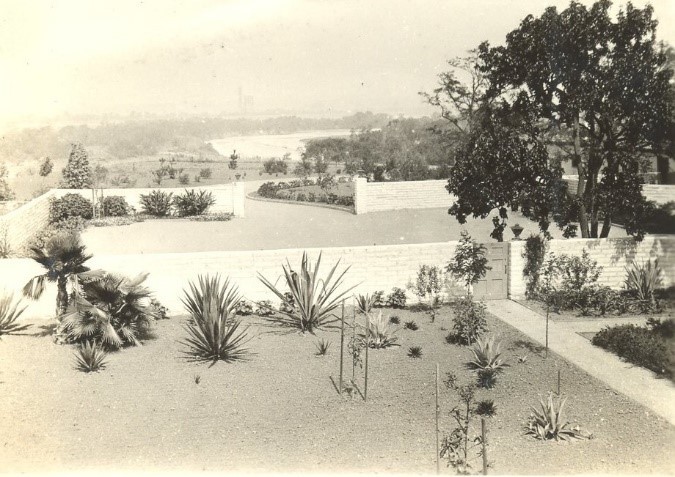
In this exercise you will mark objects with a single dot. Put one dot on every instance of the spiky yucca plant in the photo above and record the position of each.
(111, 309)
(364, 303)
(548, 421)
(90, 357)
(9, 314)
(415, 352)
(380, 333)
(486, 354)
(314, 298)
(644, 279)
(322, 347)
(213, 332)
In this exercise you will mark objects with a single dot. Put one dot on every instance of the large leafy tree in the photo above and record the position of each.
(598, 89)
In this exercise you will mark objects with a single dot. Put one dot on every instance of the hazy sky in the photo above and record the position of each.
(176, 57)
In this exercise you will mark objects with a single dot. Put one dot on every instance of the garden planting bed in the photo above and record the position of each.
(279, 411)
(575, 315)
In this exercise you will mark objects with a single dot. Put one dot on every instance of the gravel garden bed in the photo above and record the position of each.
(149, 409)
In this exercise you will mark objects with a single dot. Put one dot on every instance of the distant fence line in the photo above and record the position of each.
(372, 267)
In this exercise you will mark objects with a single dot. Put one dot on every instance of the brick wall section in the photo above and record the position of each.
(21, 224)
(378, 196)
(229, 197)
(659, 193)
(372, 268)
(613, 255)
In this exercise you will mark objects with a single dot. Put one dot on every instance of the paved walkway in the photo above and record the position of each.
(637, 383)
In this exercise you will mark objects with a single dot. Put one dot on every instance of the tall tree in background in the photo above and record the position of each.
(600, 90)
(76, 174)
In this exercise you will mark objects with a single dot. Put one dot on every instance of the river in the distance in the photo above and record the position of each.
(271, 145)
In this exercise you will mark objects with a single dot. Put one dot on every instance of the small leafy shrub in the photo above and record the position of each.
(411, 325)
(469, 321)
(364, 303)
(70, 205)
(192, 202)
(429, 282)
(9, 314)
(243, 308)
(264, 308)
(115, 206)
(394, 320)
(469, 263)
(486, 408)
(314, 298)
(184, 179)
(157, 203)
(379, 334)
(159, 311)
(415, 352)
(458, 446)
(548, 422)
(89, 357)
(301, 197)
(644, 279)
(287, 304)
(487, 354)
(378, 299)
(197, 379)
(311, 197)
(579, 272)
(345, 200)
(649, 346)
(283, 194)
(268, 190)
(205, 173)
(72, 224)
(322, 347)
(487, 378)
(397, 298)
(213, 333)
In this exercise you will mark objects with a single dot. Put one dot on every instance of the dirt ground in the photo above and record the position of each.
(280, 412)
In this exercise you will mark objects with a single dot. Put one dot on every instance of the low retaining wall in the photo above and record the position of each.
(377, 196)
(659, 193)
(20, 225)
(613, 255)
(229, 197)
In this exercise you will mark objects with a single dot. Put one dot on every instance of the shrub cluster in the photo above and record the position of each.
(157, 203)
(115, 206)
(191, 203)
(286, 191)
(70, 205)
(650, 346)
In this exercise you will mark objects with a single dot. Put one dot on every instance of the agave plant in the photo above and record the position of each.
(549, 423)
(380, 333)
(364, 303)
(9, 314)
(90, 357)
(486, 354)
(213, 332)
(644, 279)
(322, 347)
(111, 309)
(63, 257)
(314, 298)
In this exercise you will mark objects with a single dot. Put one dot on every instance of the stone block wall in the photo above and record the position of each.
(378, 196)
(20, 225)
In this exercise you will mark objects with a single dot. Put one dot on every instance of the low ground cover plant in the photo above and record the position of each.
(649, 346)
(213, 331)
(313, 298)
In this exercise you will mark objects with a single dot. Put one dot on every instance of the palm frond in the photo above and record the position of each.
(35, 287)
(9, 314)
(90, 357)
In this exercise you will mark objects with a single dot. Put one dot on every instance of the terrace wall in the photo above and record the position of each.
(18, 226)
(377, 196)
(613, 255)
(659, 193)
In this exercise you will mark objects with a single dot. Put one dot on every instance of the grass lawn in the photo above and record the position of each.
(280, 412)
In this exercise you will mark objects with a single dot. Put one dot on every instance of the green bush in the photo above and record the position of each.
(205, 173)
(115, 206)
(283, 194)
(268, 190)
(469, 321)
(648, 346)
(157, 203)
(397, 298)
(301, 197)
(184, 179)
(193, 203)
(70, 205)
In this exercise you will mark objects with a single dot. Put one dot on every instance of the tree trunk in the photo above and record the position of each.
(581, 184)
(606, 226)
(61, 297)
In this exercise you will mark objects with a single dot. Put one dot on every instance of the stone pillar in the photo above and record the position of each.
(360, 195)
(238, 199)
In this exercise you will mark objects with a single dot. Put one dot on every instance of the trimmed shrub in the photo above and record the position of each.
(397, 298)
(193, 203)
(115, 206)
(157, 203)
(70, 205)
(469, 321)
(283, 194)
(649, 347)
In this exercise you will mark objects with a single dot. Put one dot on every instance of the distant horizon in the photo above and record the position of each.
(80, 59)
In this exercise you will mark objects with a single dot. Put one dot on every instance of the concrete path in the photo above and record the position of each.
(637, 383)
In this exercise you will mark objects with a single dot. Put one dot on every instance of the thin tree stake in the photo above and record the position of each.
(365, 389)
(558, 382)
(547, 313)
(484, 443)
(342, 344)
(438, 411)
(353, 342)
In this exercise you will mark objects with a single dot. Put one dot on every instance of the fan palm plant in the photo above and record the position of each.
(314, 298)
(213, 331)
(63, 257)
(9, 314)
(111, 309)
